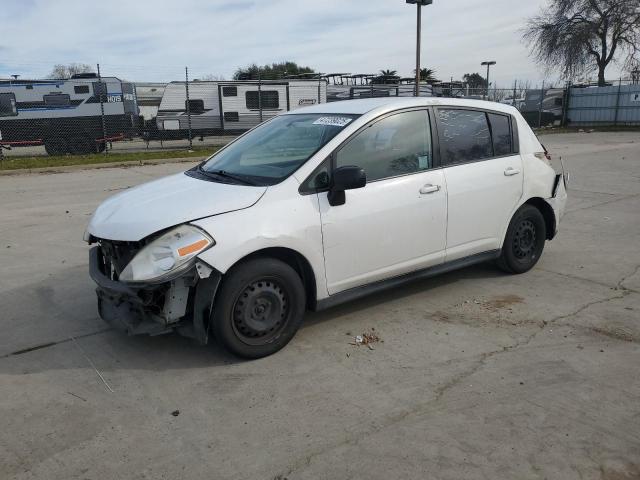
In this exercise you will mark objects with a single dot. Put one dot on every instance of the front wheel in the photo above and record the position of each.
(260, 307)
(524, 242)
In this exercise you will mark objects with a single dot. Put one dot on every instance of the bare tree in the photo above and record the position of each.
(67, 71)
(212, 77)
(581, 36)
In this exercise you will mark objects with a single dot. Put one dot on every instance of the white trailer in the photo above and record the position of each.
(220, 107)
(77, 115)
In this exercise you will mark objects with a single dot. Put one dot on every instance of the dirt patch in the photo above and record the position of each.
(632, 473)
(503, 301)
(475, 312)
(616, 334)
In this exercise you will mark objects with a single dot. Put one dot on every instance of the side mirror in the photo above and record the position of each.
(345, 178)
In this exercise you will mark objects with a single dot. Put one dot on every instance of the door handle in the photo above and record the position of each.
(428, 188)
(510, 172)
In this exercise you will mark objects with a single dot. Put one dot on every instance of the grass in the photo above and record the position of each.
(15, 163)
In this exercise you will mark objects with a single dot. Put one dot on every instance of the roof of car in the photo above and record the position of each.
(362, 106)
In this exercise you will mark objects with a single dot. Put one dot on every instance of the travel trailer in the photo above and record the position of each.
(77, 115)
(216, 107)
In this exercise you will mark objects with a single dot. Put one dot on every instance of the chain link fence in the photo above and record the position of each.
(92, 113)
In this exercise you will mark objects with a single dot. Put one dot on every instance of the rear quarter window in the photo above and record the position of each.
(501, 133)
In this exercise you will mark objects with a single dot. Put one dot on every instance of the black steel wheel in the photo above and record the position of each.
(524, 241)
(260, 311)
(259, 307)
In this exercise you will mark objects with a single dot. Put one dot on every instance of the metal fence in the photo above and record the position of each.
(613, 105)
(95, 113)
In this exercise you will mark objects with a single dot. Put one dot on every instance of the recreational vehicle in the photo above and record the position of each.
(233, 106)
(77, 115)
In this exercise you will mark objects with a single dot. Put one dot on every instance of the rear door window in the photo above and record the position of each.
(501, 133)
(8, 105)
(464, 136)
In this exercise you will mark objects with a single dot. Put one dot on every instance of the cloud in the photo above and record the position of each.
(154, 40)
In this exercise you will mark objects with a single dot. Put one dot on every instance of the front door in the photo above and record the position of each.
(396, 223)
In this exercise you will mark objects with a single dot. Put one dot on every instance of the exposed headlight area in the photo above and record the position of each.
(152, 286)
(170, 254)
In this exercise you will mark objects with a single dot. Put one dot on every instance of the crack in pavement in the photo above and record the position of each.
(481, 361)
(51, 344)
(620, 284)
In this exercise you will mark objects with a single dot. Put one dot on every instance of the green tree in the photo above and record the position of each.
(274, 71)
(474, 80)
(386, 77)
(427, 75)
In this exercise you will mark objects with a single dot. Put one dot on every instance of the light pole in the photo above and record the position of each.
(488, 64)
(419, 3)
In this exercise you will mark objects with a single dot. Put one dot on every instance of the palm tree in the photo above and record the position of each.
(427, 75)
(386, 76)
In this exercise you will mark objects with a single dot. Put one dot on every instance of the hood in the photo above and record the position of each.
(137, 213)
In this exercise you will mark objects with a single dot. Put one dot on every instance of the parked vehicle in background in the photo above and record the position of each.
(217, 107)
(320, 206)
(551, 109)
(66, 116)
(517, 102)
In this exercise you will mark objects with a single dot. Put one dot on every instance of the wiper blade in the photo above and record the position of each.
(232, 176)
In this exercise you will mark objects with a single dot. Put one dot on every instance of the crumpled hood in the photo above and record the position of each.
(137, 213)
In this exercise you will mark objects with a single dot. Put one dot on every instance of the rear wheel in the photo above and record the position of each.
(260, 307)
(524, 242)
(82, 146)
(56, 146)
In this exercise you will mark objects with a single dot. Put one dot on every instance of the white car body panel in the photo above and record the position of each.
(481, 200)
(281, 219)
(140, 211)
(403, 230)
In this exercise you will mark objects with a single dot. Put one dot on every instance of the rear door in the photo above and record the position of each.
(483, 172)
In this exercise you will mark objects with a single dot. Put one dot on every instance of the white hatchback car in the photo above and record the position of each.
(320, 206)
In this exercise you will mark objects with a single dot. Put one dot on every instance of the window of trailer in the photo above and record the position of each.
(8, 106)
(57, 100)
(194, 106)
(229, 91)
(265, 99)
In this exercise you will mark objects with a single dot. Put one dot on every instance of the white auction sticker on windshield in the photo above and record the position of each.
(333, 121)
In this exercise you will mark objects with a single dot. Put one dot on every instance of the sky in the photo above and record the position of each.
(153, 40)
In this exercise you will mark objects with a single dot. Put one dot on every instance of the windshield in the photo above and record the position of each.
(274, 150)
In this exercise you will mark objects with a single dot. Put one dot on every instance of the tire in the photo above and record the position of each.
(56, 146)
(82, 146)
(259, 309)
(524, 242)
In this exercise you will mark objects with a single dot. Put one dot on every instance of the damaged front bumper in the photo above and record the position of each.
(183, 304)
